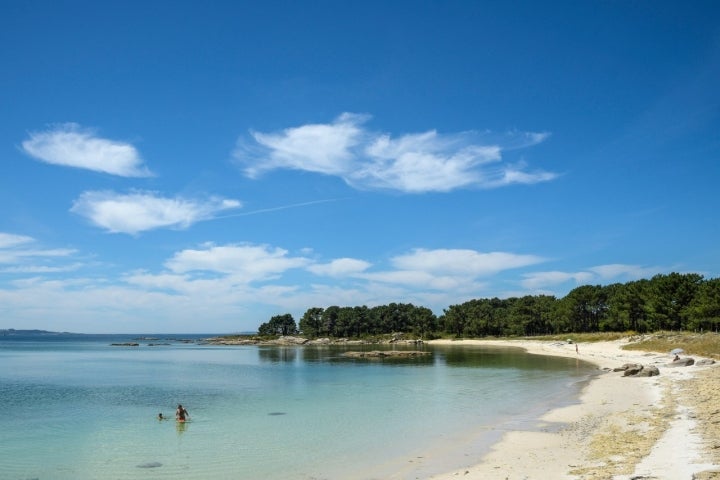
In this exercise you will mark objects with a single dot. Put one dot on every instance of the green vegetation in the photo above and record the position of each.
(673, 302)
(279, 325)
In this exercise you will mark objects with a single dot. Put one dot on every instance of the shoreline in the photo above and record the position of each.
(622, 428)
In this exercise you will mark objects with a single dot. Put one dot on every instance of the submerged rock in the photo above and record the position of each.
(150, 465)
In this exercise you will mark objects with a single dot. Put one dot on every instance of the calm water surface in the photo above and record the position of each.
(78, 408)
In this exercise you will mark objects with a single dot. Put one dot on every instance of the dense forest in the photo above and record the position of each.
(664, 302)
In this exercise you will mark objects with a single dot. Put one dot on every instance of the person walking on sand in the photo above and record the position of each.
(181, 414)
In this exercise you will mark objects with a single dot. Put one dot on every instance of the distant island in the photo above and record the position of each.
(12, 331)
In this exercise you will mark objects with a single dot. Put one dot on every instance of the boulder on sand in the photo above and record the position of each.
(682, 362)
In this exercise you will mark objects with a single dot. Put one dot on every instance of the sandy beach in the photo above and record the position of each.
(664, 427)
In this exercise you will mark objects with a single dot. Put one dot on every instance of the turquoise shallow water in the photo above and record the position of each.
(82, 409)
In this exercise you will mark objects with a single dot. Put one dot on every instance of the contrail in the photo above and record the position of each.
(282, 207)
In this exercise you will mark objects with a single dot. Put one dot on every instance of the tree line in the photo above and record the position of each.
(672, 301)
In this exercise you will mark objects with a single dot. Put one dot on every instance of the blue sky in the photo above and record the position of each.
(186, 166)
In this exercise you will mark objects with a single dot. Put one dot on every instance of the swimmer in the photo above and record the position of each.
(181, 413)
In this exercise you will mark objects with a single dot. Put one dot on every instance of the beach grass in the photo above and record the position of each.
(584, 337)
(700, 344)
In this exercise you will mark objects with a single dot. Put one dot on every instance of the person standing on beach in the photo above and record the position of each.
(577, 351)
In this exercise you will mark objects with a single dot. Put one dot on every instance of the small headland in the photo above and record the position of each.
(289, 340)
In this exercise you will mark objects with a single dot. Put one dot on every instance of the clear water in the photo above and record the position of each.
(78, 408)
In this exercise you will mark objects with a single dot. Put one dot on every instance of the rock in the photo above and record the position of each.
(705, 361)
(682, 362)
(388, 353)
(624, 368)
(150, 465)
(637, 370)
(650, 371)
(289, 340)
(632, 370)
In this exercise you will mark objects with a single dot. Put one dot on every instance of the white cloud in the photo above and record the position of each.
(320, 148)
(8, 240)
(610, 273)
(424, 162)
(34, 269)
(246, 262)
(514, 175)
(340, 267)
(429, 270)
(411, 163)
(419, 279)
(462, 261)
(73, 146)
(539, 280)
(140, 211)
(23, 256)
(627, 272)
(19, 249)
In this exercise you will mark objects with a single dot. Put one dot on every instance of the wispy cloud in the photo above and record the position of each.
(615, 272)
(541, 280)
(245, 264)
(140, 211)
(626, 272)
(278, 208)
(41, 269)
(22, 255)
(8, 240)
(71, 145)
(463, 261)
(411, 163)
(439, 269)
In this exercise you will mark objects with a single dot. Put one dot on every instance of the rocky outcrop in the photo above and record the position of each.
(288, 340)
(386, 353)
(628, 366)
(637, 370)
(292, 340)
(648, 371)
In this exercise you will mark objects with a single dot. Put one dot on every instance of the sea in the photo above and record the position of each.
(86, 407)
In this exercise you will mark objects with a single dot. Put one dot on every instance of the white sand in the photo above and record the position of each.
(623, 427)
